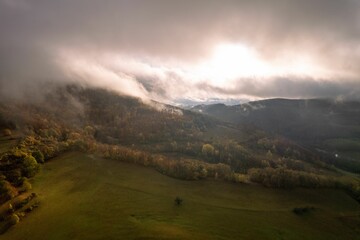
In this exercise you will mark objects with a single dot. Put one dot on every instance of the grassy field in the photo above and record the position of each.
(6, 143)
(85, 197)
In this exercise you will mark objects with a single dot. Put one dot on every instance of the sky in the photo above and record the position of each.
(181, 51)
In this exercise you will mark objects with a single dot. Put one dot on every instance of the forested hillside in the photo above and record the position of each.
(328, 127)
(179, 143)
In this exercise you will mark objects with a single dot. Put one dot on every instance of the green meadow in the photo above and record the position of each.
(86, 197)
(6, 143)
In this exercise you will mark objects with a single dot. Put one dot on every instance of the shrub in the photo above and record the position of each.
(13, 219)
(30, 166)
(178, 201)
(7, 132)
(303, 210)
(26, 185)
(38, 155)
(7, 191)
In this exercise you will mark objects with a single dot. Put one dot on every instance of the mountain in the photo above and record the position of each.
(307, 121)
(277, 143)
(330, 127)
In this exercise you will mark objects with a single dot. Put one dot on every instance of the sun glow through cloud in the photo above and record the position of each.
(228, 66)
(231, 62)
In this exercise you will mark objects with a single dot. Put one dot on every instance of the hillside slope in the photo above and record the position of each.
(178, 143)
(328, 127)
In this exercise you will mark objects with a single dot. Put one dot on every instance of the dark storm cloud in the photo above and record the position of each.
(32, 31)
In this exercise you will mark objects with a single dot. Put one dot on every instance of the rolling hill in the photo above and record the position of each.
(328, 127)
(271, 143)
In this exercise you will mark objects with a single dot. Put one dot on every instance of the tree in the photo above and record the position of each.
(208, 150)
(89, 130)
(30, 166)
(38, 155)
(269, 154)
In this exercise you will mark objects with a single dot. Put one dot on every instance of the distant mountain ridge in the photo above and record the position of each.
(312, 122)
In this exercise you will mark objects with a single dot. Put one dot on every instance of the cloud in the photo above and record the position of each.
(174, 83)
(291, 88)
(157, 41)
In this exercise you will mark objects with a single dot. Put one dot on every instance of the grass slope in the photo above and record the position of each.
(6, 143)
(85, 197)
